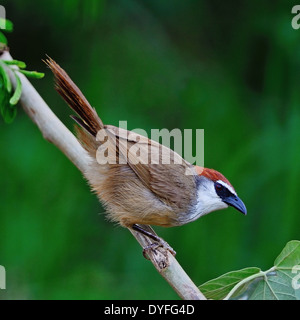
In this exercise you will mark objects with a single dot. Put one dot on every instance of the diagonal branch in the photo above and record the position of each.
(55, 131)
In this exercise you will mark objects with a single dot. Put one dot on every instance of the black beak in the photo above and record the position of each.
(235, 202)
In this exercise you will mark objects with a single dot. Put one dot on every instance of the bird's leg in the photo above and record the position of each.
(147, 233)
(159, 242)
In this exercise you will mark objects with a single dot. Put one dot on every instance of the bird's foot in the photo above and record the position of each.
(159, 242)
(154, 245)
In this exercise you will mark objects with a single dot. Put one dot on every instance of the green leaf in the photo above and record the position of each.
(276, 286)
(3, 94)
(32, 74)
(17, 94)
(284, 282)
(289, 256)
(220, 287)
(3, 38)
(8, 25)
(9, 114)
(18, 63)
(5, 77)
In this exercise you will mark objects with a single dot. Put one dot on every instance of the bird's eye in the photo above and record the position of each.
(218, 186)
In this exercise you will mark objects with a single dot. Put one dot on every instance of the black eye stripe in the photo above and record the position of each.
(222, 191)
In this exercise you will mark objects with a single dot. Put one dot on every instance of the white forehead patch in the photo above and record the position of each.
(227, 186)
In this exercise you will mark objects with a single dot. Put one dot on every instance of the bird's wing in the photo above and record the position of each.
(161, 170)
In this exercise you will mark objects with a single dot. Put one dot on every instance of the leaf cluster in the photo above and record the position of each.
(280, 282)
(9, 97)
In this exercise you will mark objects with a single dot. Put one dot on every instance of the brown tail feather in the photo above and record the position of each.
(89, 119)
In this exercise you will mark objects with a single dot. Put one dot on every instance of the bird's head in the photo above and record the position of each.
(215, 192)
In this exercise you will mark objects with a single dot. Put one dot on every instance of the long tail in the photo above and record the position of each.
(88, 118)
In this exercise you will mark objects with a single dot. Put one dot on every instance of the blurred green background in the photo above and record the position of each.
(230, 67)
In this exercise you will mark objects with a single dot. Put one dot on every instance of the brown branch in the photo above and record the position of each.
(55, 131)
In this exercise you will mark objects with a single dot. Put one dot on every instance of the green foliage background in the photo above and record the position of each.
(230, 67)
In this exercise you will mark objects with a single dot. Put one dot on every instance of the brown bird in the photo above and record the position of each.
(134, 190)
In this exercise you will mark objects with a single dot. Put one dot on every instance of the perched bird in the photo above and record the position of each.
(133, 190)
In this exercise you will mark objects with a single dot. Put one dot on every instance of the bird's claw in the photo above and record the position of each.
(154, 245)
